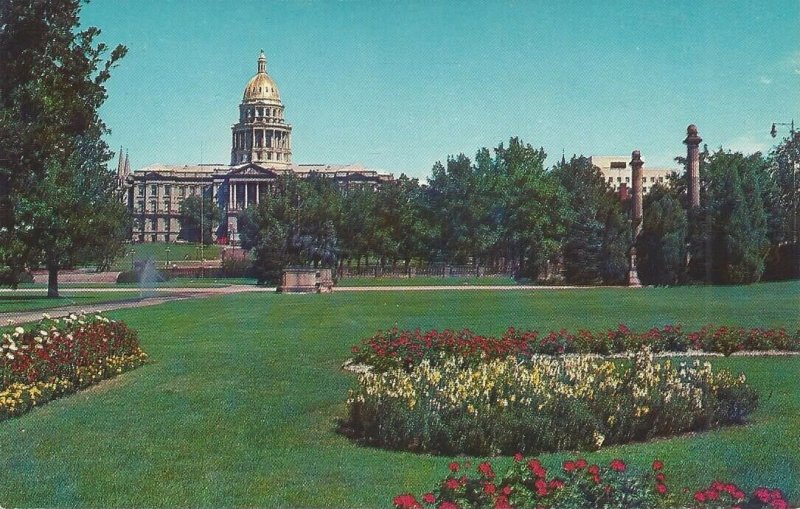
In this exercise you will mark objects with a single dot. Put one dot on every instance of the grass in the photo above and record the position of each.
(32, 302)
(158, 252)
(239, 406)
(427, 281)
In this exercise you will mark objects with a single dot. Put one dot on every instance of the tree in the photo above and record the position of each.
(598, 237)
(52, 155)
(729, 234)
(783, 208)
(661, 245)
(200, 217)
(529, 207)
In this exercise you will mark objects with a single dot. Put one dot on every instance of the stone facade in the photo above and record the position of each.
(616, 171)
(261, 151)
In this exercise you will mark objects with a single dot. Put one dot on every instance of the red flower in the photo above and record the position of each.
(506, 490)
(489, 488)
(448, 505)
(660, 477)
(658, 465)
(780, 504)
(556, 484)
(569, 466)
(662, 489)
(486, 470)
(596, 479)
(518, 457)
(429, 498)
(700, 496)
(593, 470)
(454, 467)
(763, 495)
(580, 464)
(712, 494)
(452, 484)
(536, 468)
(406, 501)
(618, 465)
(502, 503)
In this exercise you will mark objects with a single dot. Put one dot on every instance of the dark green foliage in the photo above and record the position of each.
(60, 203)
(661, 246)
(292, 227)
(200, 217)
(598, 236)
(729, 234)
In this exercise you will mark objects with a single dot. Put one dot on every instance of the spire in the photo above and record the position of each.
(127, 169)
(262, 62)
(121, 164)
(563, 157)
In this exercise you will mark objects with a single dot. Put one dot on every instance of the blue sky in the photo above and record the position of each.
(399, 85)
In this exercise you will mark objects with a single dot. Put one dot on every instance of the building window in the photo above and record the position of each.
(627, 179)
(140, 206)
(140, 190)
(154, 190)
(661, 179)
(167, 190)
(152, 205)
(181, 192)
(611, 179)
(619, 179)
(166, 205)
(652, 179)
(644, 189)
(618, 164)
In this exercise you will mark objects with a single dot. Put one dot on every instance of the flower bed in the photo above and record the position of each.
(400, 348)
(62, 356)
(579, 485)
(544, 404)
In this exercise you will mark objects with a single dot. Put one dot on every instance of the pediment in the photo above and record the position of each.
(252, 170)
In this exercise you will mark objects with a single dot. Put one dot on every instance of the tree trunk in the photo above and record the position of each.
(52, 281)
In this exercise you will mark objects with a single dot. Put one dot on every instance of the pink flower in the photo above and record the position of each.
(429, 498)
(662, 489)
(452, 484)
(489, 488)
(658, 465)
(454, 467)
(518, 457)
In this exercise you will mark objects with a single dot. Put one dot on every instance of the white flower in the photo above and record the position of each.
(19, 330)
(43, 332)
(10, 355)
(45, 316)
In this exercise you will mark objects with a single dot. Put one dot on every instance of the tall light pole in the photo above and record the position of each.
(793, 136)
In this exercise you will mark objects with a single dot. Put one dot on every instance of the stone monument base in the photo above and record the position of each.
(305, 280)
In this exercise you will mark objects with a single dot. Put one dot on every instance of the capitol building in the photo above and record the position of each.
(261, 151)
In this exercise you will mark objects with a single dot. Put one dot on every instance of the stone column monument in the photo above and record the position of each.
(636, 213)
(692, 142)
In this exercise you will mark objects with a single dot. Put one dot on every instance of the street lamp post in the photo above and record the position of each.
(794, 165)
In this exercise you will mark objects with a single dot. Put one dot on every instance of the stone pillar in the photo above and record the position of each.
(246, 185)
(692, 142)
(636, 213)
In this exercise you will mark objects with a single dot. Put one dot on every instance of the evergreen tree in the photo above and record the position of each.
(200, 217)
(661, 245)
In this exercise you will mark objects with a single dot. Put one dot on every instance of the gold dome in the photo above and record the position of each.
(261, 87)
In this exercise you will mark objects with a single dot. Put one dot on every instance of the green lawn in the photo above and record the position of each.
(427, 281)
(239, 406)
(32, 301)
(162, 252)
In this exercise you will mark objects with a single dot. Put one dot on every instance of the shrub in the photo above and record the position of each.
(578, 485)
(544, 404)
(128, 276)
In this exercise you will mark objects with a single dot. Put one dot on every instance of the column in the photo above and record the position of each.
(229, 205)
(258, 193)
(636, 220)
(246, 185)
(692, 142)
